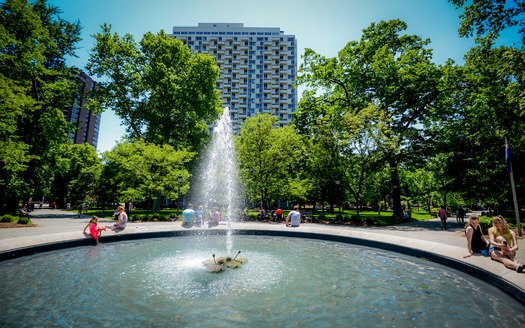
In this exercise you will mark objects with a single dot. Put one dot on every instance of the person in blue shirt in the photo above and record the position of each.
(187, 216)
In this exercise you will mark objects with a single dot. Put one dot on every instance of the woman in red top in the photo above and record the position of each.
(94, 230)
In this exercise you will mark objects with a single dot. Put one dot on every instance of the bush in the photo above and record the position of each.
(7, 218)
(23, 220)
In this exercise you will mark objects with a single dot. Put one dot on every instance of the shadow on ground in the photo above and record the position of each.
(428, 225)
(50, 214)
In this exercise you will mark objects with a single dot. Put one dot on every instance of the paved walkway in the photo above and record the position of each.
(57, 225)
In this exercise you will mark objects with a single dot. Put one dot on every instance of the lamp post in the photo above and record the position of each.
(337, 182)
(178, 194)
(103, 197)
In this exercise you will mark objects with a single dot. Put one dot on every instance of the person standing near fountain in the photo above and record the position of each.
(294, 217)
(187, 216)
(443, 216)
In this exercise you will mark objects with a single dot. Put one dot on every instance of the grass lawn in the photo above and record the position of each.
(350, 216)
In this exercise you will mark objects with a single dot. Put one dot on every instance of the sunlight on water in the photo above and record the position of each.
(287, 282)
(217, 184)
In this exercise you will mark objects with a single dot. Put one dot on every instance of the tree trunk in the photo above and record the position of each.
(396, 191)
(155, 208)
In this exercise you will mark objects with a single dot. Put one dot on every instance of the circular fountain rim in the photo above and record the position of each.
(484, 275)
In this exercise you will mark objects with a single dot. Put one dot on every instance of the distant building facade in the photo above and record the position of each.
(88, 125)
(258, 67)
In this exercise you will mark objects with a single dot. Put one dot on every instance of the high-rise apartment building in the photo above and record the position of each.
(258, 67)
(87, 124)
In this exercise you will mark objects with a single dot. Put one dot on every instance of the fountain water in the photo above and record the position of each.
(290, 282)
(218, 186)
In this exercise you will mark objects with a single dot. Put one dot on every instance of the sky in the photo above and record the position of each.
(325, 26)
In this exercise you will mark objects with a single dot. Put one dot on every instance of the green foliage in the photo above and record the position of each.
(388, 78)
(35, 86)
(485, 222)
(271, 160)
(165, 93)
(23, 220)
(488, 18)
(8, 218)
(80, 170)
(143, 170)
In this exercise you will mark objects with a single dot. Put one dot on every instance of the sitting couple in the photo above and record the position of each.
(502, 245)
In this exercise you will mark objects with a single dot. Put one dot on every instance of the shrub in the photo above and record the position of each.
(23, 220)
(485, 222)
(6, 218)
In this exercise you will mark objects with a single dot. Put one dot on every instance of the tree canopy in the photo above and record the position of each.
(164, 93)
(35, 86)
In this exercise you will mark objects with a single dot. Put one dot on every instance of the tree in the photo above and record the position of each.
(393, 72)
(270, 158)
(144, 171)
(494, 80)
(78, 175)
(488, 18)
(484, 105)
(163, 92)
(34, 42)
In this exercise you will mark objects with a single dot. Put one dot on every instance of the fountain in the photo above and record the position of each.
(218, 186)
(290, 281)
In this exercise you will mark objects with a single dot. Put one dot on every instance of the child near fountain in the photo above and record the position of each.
(94, 230)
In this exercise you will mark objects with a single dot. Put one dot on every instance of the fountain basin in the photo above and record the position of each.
(312, 280)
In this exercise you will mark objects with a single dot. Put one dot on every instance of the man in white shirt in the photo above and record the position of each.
(294, 217)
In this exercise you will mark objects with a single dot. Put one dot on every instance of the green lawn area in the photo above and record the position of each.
(347, 216)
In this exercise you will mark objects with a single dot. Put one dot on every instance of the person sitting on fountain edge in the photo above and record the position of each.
(294, 217)
(122, 220)
(187, 216)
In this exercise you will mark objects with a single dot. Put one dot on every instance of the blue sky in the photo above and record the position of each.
(322, 25)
